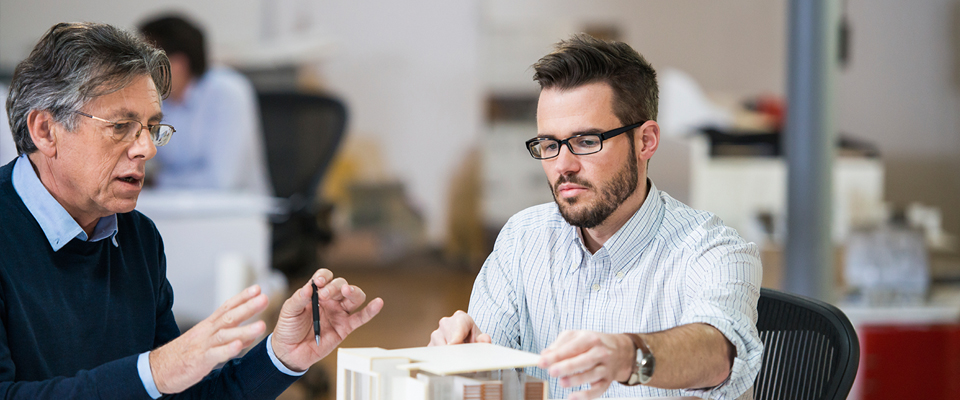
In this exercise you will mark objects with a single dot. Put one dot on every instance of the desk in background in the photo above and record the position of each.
(216, 244)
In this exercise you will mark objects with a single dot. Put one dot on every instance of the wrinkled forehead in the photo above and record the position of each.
(137, 99)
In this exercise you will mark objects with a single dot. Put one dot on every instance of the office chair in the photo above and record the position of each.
(301, 134)
(810, 349)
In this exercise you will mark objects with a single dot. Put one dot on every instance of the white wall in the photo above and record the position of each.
(732, 46)
(23, 22)
(902, 91)
(409, 73)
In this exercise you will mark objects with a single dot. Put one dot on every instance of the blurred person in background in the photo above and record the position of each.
(85, 306)
(219, 140)
(8, 151)
(616, 284)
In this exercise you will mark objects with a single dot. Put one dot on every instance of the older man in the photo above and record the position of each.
(616, 281)
(85, 306)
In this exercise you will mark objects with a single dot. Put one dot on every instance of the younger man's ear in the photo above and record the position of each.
(648, 139)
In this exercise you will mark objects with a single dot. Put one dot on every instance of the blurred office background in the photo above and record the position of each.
(440, 99)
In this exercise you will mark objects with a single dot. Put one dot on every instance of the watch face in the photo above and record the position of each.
(645, 370)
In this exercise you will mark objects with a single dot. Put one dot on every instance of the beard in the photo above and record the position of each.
(611, 195)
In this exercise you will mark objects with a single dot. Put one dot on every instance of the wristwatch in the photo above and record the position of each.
(643, 368)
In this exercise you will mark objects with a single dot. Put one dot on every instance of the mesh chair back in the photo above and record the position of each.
(301, 134)
(811, 350)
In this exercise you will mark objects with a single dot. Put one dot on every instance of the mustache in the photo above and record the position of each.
(574, 179)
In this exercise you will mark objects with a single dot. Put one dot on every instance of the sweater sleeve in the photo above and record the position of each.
(252, 376)
(114, 380)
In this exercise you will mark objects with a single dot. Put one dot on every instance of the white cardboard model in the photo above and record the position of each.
(476, 371)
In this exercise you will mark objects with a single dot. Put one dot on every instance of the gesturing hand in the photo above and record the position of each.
(293, 339)
(579, 357)
(456, 329)
(187, 359)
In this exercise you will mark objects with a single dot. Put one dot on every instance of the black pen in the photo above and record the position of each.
(316, 312)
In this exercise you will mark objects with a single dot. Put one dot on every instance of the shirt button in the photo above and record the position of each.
(596, 287)
(620, 275)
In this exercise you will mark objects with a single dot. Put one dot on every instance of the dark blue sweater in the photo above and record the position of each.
(73, 322)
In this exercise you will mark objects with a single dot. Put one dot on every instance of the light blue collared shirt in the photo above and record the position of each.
(60, 228)
(669, 265)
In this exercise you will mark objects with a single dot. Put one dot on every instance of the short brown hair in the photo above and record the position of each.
(583, 59)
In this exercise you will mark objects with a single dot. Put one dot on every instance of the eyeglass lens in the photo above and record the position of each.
(580, 145)
(130, 130)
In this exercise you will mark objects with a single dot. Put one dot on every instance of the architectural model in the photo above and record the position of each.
(476, 371)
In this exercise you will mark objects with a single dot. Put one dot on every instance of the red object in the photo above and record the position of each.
(773, 107)
(909, 362)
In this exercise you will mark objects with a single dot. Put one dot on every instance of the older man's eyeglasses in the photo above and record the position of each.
(128, 130)
(543, 148)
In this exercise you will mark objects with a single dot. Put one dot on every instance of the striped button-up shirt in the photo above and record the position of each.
(669, 265)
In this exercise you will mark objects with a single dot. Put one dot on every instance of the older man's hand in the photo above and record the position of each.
(580, 357)
(293, 340)
(187, 359)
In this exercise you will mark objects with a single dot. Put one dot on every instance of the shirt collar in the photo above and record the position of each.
(56, 223)
(634, 236)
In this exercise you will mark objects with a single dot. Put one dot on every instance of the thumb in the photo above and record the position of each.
(298, 302)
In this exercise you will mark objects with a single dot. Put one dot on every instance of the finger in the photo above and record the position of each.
(595, 390)
(437, 339)
(242, 312)
(591, 376)
(236, 300)
(454, 328)
(570, 366)
(226, 352)
(371, 310)
(299, 301)
(484, 338)
(246, 334)
(332, 290)
(321, 277)
(568, 346)
(353, 297)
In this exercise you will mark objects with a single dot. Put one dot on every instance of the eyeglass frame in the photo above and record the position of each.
(156, 141)
(603, 136)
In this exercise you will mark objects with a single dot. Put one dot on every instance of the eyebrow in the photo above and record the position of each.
(124, 113)
(575, 133)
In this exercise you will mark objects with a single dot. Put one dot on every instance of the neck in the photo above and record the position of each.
(595, 237)
(42, 168)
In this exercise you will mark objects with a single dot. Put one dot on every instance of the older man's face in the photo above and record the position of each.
(97, 175)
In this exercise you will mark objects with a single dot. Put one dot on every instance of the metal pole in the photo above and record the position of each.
(809, 144)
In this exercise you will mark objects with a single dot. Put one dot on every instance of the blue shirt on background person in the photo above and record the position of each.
(219, 144)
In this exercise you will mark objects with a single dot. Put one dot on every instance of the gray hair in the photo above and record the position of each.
(72, 64)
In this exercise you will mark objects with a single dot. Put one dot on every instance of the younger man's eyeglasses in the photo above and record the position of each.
(543, 148)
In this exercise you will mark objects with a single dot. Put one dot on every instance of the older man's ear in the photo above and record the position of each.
(41, 126)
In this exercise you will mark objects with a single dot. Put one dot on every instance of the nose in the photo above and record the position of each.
(143, 146)
(565, 163)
